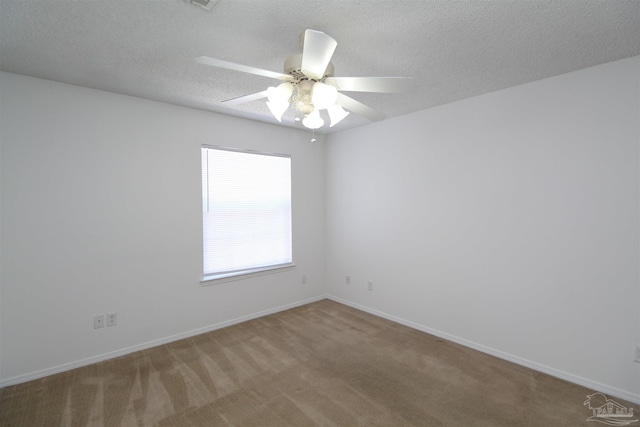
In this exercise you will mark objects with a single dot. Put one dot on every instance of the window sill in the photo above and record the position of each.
(214, 279)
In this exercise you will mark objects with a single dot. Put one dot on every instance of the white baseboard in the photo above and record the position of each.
(124, 351)
(593, 385)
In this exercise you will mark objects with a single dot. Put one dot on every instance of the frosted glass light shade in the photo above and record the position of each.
(277, 109)
(313, 120)
(336, 114)
(281, 93)
(278, 99)
(323, 95)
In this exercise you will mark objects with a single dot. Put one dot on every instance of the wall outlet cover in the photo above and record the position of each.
(98, 321)
(112, 319)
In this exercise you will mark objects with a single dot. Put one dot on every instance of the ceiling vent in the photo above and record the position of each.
(205, 4)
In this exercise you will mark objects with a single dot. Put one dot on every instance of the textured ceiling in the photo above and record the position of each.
(454, 49)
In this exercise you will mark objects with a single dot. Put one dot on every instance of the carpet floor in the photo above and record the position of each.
(320, 364)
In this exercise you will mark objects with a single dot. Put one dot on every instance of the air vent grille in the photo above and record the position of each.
(205, 4)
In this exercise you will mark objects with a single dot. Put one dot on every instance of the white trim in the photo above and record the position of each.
(593, 385)
(124, 351)
(214, 279)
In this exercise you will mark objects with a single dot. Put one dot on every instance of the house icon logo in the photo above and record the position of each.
(607, 411)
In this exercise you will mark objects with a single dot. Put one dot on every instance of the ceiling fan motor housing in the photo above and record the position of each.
(293, 67)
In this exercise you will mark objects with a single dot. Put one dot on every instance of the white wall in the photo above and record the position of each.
(508, 222)
(101, 212)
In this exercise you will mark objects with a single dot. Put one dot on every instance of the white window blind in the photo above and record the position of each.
(246, 211)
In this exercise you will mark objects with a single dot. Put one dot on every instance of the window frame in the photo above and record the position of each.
(233, 275)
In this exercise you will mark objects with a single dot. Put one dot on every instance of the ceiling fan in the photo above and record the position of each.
(309, 86)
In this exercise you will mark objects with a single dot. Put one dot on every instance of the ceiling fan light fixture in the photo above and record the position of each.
(313, 120)
(308, 84)
(336, 114)
(323, 95)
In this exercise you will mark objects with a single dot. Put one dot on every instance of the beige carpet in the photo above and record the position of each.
(320, 364)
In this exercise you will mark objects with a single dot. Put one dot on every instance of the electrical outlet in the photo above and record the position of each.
(304, 279)
(636, 355)
(98, 321)
(347, 280)
(112, 319)
(370, 285)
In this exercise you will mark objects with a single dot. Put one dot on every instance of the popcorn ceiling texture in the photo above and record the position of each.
(454, 49)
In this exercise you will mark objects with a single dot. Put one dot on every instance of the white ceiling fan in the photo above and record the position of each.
(308, 84)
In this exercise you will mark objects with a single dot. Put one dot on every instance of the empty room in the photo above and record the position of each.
(336, 213)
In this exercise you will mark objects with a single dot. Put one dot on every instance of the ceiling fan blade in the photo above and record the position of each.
(219, 63)
(372, 84)
(359, 108)
(246, 98)
(317, 51)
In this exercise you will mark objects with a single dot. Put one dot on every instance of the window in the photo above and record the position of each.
(246, 211)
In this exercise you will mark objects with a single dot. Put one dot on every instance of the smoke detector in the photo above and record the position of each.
(205, 4)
